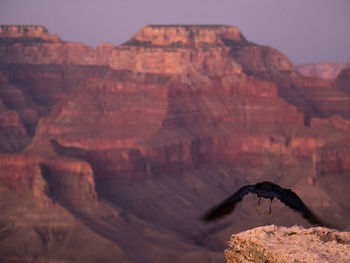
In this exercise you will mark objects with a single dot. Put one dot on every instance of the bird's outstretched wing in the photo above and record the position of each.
(292, 200)
(227, 206)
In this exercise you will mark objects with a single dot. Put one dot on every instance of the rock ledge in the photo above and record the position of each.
(185, 35)
(275, 244)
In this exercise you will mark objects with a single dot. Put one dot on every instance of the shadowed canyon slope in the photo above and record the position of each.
(113, 154)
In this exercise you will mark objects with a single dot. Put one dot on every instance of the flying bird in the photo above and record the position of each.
(266, 190)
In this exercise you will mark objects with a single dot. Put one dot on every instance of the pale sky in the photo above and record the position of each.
(304, 30)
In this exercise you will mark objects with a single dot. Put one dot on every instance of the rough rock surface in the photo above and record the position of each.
(289, 244)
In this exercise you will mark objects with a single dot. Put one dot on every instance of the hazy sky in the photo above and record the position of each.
(304, 30)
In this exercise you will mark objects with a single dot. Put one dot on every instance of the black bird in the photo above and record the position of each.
(266, 190)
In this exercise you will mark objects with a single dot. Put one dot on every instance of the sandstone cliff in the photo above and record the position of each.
(131, 144)
(34, 45)
(289, 244)
(324, 70)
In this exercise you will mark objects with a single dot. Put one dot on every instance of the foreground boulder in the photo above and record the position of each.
(289, 244)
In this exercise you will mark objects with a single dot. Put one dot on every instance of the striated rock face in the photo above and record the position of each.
(179, 49)
(289, 244)
(34, 45)
(324, 70)
(13, 135)
(186, 35)
(333, 161)
(326, 98)
(26, 31)
(120, 144)
(20, 174)
(68, 180)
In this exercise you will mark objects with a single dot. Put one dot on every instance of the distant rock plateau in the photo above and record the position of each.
(275, 244)
(324, 70)
(113, 153)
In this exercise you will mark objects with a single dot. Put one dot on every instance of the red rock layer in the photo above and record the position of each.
(170, 123)
(17, 174)
(333, 161)
(326, 97)
(13, 135)
(34, 45)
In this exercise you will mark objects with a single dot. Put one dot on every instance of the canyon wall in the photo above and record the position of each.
(130, 144)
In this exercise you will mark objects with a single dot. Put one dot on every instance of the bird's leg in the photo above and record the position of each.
(270, 211)
(258, 207)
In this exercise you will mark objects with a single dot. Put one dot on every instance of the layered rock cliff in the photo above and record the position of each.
(324, 70)
(131, 144)
(34, 45)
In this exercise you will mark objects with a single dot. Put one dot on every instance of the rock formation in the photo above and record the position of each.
(343, 80)
(128, 145)
(324, 70)
(289, 244)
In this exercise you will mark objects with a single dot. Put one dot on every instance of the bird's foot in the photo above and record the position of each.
(258, 206)
(269, 213)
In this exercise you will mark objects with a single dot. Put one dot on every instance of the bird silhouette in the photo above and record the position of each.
(266, 190)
